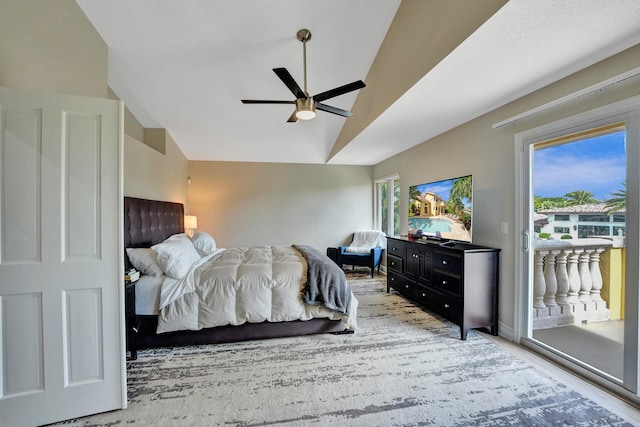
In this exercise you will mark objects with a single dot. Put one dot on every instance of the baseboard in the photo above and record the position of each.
(505, 331)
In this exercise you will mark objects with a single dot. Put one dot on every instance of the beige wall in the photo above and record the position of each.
(149, 174)
(246, 204)
(51, 46)
(475, 148)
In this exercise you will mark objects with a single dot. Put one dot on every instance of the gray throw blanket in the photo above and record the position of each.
(326, 283)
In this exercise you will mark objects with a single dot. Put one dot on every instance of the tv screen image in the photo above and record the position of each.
(442, 209)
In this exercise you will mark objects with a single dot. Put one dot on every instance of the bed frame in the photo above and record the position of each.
(148, 222)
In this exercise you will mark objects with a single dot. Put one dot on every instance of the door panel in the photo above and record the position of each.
(20, 168)
(21, 318)
(61, 291)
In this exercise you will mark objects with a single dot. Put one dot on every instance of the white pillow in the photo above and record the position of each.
(176, 255)
(204, 243)
(145, 261)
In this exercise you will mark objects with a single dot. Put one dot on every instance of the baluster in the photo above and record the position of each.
(563, 278)
(574, 277)
(538, 280)
(585, 276)
(596, 275)
(550, 279)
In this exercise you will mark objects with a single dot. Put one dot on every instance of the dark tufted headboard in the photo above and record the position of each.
(147, 222)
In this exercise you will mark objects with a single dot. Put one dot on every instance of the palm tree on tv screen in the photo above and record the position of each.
(461, 188)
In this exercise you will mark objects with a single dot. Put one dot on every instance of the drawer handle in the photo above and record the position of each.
(446, 306)
(444, 282)
(393, 278)
(444, 262)
(406, 286)
(424, 295)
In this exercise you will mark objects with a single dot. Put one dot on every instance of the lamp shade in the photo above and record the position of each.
(190, 222)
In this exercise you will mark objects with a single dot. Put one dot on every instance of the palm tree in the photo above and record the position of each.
(619, 200)
(383, 206)
(580, 197)
(461, 188)
(384, 194)
(414, 196)
(396, 207)
(414, 193)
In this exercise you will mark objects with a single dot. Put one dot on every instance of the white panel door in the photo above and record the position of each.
(61, 292)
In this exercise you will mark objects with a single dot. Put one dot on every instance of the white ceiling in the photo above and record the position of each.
(184, 66)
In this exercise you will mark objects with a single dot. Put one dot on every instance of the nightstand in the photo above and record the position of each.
(131, 320)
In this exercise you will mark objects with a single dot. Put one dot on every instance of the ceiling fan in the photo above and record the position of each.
(306, 105)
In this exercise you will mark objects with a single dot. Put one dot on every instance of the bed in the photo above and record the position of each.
(151, 223)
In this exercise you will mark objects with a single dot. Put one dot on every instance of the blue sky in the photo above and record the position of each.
(596, 165)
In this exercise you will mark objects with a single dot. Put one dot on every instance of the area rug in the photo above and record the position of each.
(403, 367)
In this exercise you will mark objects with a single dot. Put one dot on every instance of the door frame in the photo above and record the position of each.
(627, 110)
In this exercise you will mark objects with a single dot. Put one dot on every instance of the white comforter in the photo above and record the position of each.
(234, 286)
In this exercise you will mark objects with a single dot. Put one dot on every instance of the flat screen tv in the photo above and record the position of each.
(442, 210)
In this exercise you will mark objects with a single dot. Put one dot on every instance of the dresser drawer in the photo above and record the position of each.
(394, 263)
(401, 284)
(395, 247)
(447, 261)
(443, 281)
(423, 294)
(449, 308)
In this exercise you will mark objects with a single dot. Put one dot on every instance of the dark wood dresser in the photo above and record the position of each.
(458, 281)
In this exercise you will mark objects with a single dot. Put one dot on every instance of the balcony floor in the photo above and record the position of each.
(597, 344)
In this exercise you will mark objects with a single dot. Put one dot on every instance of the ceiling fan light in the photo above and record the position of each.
(305, 108)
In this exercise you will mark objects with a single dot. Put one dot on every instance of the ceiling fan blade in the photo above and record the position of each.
(289, 82)
(265, 101)
(293, 118)
(339, 91)
(334, 110)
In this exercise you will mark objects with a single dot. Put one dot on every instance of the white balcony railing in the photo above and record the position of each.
(567, 281)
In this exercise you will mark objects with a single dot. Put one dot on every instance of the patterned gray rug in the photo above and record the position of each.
(403, 367)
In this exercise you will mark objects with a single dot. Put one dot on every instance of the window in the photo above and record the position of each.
(564, 230)
(561, 217)
(619, 218)
(593, 218)
(387, 207)
(585, 231)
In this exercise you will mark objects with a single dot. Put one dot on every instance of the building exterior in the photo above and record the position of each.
(580, 221)
(430, 204)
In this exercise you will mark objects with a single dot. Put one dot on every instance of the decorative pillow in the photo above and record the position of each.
(145, 261)
(204, 243)
(176, 255)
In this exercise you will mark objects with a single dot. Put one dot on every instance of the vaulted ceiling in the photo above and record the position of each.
(429, 66)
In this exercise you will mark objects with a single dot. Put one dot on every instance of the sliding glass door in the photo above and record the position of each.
(578, 269)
